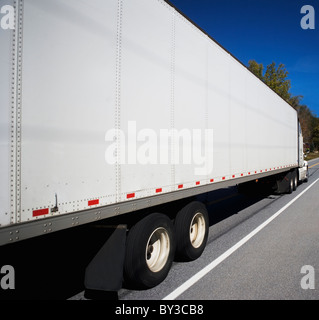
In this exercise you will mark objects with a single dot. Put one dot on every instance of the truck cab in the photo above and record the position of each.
(303, 165)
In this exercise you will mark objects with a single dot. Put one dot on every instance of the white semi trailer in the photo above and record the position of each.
(122, 108)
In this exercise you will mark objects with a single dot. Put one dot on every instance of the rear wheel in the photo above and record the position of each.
(295, 181)
(191, 231)
(150, 251)
(290, 183)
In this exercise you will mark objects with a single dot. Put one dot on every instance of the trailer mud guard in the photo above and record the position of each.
(286, 183)
(105, 271)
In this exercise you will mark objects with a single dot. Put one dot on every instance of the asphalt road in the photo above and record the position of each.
(266, 265)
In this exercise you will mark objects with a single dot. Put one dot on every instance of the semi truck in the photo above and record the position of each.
(126, 111)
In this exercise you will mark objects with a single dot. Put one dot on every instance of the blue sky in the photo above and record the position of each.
(266, 31)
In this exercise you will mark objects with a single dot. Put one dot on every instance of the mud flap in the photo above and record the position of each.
(283, 182)
(105, 271)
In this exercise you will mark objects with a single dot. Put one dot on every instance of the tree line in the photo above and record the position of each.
(276, 77)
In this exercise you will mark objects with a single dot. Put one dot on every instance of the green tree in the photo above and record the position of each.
(306, 122)
(315, 136)
(276, 79)
(256, 68)
(295, 101)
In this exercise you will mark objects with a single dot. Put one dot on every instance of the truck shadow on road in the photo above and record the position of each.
(224, 203)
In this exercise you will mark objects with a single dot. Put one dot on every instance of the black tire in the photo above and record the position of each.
(147, 262)
(295, 178)
(290, 183)
(191, 231)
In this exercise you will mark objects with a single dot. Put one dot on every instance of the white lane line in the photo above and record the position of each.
(186, 285)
